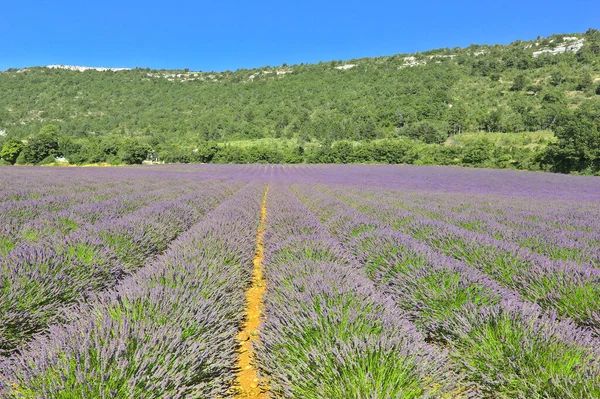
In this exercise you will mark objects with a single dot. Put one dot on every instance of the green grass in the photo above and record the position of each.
(525, 139)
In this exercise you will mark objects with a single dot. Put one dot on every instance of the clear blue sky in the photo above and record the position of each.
(231, 34)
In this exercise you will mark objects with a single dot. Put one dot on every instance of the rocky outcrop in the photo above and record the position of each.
(571, 44)
(84, 68)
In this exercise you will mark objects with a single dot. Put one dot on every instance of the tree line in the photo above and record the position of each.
(49, 147)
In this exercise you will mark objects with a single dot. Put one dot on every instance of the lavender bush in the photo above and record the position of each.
(166, 331)
(568, 287)
(39, 279)
(439, 292)
(381, 282)
(327, 332)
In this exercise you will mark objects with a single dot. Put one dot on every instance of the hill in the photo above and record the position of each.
(413, 102)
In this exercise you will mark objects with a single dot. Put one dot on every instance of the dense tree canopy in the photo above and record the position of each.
(578, 146)
(320, 112)
(10, 150)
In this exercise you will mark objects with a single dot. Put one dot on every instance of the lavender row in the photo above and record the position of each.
(498, 341)
(56, 225)
(327, 333)
(556, 243)
(29, 220)
(38, 280)
(543, 188)
(25, 210)
(48, 225)
(38, 185)
(167, 331)
(31, 208)
(567, 287)
(571, 216)
(49, 189)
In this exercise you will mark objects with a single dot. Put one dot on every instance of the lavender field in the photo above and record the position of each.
(307, 281)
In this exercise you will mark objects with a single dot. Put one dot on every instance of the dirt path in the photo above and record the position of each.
(247, 383)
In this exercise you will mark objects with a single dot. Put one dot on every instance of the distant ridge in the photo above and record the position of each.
(85, 68)
(567, 44)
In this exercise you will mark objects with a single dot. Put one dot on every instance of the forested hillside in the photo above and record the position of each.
(407, 108)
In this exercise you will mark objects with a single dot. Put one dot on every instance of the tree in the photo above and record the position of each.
(426, 131)
(586, 82)
(367, 130)
(578, 146)
(42, 146)
(492, 121)
(205, 153)
(49, 131)
(341, 152)
(176, 155)
(478, 152)
(11, 150)
(519, 82)
(592, 34)
(68, 148)
(133, 152)
(556, 78)
(457, 118)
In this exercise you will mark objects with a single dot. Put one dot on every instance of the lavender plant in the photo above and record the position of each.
(327, 332)
(568, 287)
(439, 292)
(38, 280)
(166, 331)
(381, 281)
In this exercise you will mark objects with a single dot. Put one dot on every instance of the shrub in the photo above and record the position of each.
(22, 159)
(11, 150)
(426, 131)
(48, 160)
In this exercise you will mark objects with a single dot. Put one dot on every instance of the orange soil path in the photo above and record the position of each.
(247, 384)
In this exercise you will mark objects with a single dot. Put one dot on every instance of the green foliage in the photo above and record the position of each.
(21, 160)
(133, 152)
(205, 152)
(303, 113)
(578, 146)
(586, 82)
(394, 376)
(44, 145)
(427, 131)
(556, 78)
(67, 147)
(48, 160)
(478, 152)
(176, 156)
(49, 131)
(11, 150)
(508, 357)
(519, 82)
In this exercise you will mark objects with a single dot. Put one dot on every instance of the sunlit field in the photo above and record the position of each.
(307, 281)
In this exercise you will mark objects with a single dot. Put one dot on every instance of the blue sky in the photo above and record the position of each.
(231, 34)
